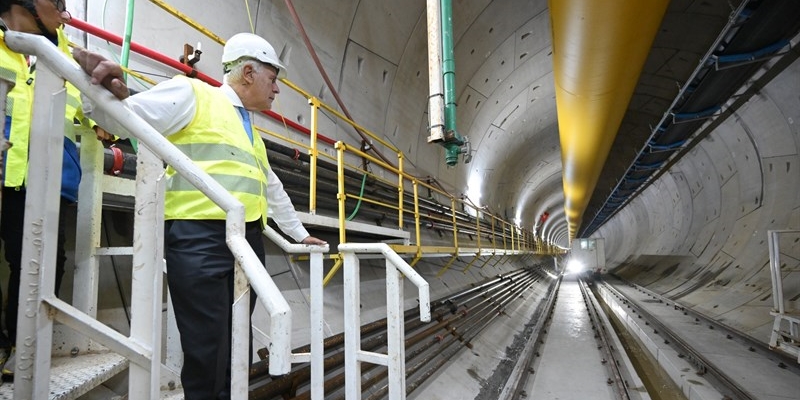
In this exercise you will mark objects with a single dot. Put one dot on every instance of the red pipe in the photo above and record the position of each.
(154, 55)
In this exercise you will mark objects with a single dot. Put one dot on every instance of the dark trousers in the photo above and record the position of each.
(200, 277)
(11, 226)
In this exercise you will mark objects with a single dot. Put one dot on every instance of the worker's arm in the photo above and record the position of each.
(102, 71)
(168, 107)
(282, 211)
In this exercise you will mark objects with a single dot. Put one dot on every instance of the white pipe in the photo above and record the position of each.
(435, 90)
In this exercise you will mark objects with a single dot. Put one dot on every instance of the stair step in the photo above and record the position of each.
(71, 377)
(176, 394)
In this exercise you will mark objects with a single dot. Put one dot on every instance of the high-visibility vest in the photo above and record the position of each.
(217, 142)
(19, 106)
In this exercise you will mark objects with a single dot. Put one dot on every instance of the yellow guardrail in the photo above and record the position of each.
(470, 220)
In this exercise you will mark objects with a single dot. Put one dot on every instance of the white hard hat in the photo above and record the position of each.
(253, 46)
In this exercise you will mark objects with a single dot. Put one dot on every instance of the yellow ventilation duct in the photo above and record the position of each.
(599, 49)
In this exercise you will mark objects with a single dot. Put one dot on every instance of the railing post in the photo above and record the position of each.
(148, 276)
(240, 335)
(395, 333)
(88, 223)
(313, 154)
(39, 238)
(317, 326)
(775, 270)
(352, 326)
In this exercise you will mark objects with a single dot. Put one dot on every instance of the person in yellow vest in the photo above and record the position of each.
(41, 17)
(212, 126)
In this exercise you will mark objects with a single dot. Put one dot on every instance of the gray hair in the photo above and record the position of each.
(234, 71)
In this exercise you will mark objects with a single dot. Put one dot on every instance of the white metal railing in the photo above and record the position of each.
(316, 356)
(786, 341)
(40, 306)
(395, 359)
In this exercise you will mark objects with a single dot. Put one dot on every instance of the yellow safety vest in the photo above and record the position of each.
(217, 142)
(19, 105)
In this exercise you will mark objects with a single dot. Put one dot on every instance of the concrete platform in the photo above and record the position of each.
(570, 365)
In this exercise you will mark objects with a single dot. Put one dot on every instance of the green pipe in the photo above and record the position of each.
(451, 152)
(453, 140)
(126, 43)
(126, 51)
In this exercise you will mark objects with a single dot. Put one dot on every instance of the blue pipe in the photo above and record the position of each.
(670, 146)
(678, 117)
(753, 55)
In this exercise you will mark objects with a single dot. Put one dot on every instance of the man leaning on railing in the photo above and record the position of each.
(212, 126)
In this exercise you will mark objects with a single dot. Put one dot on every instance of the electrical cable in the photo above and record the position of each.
(360, 195)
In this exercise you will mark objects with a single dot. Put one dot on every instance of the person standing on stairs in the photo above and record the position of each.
(212, 126)
(46, 18)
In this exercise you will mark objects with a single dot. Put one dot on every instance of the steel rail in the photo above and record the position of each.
(720, 379)
(612, 364)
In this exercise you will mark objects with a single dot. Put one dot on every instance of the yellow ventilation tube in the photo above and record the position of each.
(599, 49)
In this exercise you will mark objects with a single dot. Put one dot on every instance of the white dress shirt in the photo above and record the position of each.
(169, 107)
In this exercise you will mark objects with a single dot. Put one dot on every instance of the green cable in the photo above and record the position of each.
(360, 195)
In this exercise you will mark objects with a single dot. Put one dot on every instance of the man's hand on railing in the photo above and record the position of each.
(102, 71)
(313, 240)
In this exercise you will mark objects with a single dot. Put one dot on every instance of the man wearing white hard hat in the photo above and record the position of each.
(212, 126)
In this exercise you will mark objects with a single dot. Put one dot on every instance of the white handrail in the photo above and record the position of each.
(395, 358)
(402, 265)
(316, 356)
(276, 305)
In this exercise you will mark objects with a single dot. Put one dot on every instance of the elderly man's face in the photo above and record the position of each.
(265, 81)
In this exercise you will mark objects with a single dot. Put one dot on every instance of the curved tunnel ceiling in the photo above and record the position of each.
(505, 90)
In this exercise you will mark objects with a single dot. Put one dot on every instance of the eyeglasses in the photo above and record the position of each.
(60, 5)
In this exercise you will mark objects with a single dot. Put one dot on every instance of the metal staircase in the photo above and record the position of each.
(141, 351)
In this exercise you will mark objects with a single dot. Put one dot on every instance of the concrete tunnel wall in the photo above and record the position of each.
(699, 234)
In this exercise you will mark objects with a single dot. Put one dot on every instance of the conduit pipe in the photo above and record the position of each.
(452, 139)
(599, 50)
(189, 71)
(436, 96)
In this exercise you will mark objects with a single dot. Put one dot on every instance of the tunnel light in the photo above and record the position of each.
(574, 266)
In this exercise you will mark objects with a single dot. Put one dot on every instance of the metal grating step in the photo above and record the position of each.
(71, 377)
(176, 394)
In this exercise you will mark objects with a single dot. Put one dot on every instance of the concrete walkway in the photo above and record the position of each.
(570, 365)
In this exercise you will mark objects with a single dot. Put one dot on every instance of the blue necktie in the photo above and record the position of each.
(246, 122)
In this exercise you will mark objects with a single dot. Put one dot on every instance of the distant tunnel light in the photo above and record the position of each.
(574, 266)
